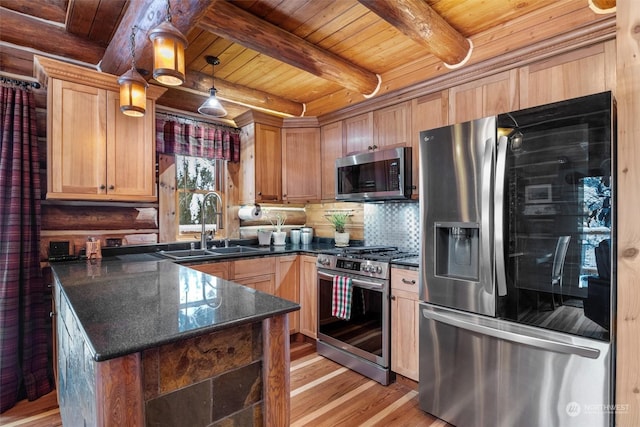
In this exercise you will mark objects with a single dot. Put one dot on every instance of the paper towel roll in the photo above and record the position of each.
(250, 213)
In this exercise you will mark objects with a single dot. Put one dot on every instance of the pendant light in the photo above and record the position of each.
(133, 87)
(168, 52)
(212, 106)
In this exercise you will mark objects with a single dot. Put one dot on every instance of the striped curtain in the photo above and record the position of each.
(197, 139)
(24, 328)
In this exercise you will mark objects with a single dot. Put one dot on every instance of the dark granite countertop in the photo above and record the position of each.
(125, 306)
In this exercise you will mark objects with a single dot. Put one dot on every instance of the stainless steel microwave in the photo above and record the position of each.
(374, 175)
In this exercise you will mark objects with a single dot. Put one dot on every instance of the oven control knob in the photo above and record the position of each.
(366, 268)
(324, 261)
(377, 269)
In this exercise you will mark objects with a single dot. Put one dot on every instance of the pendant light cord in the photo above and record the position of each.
(133, 47)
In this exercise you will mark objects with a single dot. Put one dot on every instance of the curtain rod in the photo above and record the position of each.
(22, 83)
(194, 120)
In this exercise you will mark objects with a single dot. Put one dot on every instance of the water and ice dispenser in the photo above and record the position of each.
(456, 251)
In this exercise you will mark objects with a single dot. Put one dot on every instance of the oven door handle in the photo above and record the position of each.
(356, 282)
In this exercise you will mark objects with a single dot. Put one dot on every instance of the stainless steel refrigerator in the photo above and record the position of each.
(516, 278)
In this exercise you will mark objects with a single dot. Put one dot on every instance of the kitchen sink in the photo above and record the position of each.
(234, 250)
(187, 254)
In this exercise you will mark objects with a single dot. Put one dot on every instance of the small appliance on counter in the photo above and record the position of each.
(61, 251)
(306, 235)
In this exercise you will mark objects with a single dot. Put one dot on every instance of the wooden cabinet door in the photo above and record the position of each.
(330, 150)
(358, 133)
(263, 283)
(300, 165)
(218, 269)
(392, 126)
(268, 163)
(308, 296)
(130, 152)
(77, 141)
(288, 286)
(485, 97)
(427, 112)
(405, 322)
(578, 73)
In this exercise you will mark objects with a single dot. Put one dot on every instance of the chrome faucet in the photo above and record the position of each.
(217, 215)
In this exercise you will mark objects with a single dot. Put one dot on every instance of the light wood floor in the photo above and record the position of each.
(323, 393)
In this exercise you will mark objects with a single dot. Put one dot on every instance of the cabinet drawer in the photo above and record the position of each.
(218, 269)
(254, 267)
(404, 280)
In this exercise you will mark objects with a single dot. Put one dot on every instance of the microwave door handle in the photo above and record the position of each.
(501, 162)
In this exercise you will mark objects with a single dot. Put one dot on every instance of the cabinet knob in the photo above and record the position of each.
(259, 193)
(112, 187)
(102, 187)
(393, 297)
(52, 314)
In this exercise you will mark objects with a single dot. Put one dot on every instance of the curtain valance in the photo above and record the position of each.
(197, 139)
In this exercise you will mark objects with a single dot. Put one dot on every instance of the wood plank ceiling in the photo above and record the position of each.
(288, 57)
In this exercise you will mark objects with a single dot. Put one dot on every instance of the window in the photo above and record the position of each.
(195, 177)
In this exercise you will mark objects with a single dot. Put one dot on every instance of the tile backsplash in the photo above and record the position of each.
(395, 224)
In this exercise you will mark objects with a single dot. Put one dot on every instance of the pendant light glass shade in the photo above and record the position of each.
(133, 93)
(133, 87)
(212, 106)
(168, 53)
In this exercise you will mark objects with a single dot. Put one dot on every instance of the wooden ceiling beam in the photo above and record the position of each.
(22, 30)
(243, 95)
(147, 14)
(417, 20)
(233, 23)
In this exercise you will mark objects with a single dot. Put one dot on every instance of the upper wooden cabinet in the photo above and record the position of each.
(358, 133)
(330, 150)
(260, 178)
(427, 112)
(94, 152)
(268, 164)
(485, 97)
(577, 73)
(392, 126)
(300, 165)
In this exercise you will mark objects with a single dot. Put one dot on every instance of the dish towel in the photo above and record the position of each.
(341, 302)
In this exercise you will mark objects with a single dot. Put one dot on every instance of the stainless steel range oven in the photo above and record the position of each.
(361, 343)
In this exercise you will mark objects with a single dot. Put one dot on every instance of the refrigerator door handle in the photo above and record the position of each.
(485, 218)
(547, 344)
(501, 163)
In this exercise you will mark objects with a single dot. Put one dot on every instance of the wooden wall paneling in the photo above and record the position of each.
(247, 176)
(322, 228)
(628, 173)
(167, 214)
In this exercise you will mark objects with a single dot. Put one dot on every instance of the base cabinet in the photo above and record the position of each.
(404, 322)
(288, 286)
(308, 296)
(256, 273)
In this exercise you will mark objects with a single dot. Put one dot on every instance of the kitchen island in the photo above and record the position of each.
(157, 343)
